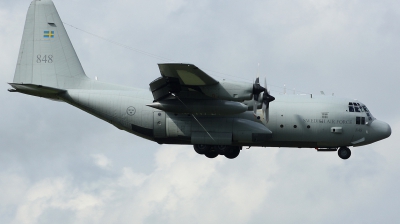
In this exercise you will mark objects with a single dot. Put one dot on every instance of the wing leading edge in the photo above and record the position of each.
(188, 74)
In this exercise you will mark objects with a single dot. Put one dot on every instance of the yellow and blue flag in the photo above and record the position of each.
(48, 34)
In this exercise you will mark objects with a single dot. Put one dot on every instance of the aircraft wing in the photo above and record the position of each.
(187, 74)
(183, 80)
(184, 88)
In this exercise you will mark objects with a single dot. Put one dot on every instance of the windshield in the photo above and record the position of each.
(355, 107)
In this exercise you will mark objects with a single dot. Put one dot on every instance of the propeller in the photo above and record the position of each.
(257, 89)
(266, 98)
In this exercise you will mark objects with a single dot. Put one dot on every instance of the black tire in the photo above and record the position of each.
(344, 153)
(232, 152)
(211, 154)
(221, 149)
(201, 149)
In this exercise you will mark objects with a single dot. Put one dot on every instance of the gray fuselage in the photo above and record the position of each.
(294, 120)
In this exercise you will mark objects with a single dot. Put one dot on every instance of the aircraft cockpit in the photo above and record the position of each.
(360, 108)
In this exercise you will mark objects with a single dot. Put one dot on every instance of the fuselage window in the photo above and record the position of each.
(357, 109)
(350, 104)
(351, 108)
(360, 120)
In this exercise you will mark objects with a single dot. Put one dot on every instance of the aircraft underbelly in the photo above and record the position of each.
(212, 130)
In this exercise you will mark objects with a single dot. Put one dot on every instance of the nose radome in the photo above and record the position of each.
(381, 129)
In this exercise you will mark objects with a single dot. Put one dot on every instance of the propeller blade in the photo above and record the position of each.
(254, 106)
(266, 116)
(265, 83)
(264, 107)
(267, 98)
(257, 89)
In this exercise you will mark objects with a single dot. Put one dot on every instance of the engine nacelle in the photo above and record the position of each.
(200, 107)
(232, 91)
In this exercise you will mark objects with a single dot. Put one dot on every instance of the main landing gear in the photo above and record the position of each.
(344, 152)
(212, 151)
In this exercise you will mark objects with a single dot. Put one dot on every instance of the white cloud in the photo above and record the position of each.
(261, 184)
(182, 186)
(102, 161)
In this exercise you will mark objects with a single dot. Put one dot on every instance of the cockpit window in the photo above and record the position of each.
(360, 108)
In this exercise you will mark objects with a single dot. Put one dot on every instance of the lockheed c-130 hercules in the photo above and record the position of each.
(187, 106)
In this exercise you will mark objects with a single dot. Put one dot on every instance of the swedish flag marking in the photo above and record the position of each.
(48, 34)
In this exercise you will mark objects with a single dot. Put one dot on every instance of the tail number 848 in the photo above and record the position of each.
(44, 58)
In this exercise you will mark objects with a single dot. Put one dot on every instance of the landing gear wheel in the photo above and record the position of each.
(201, 149)
(221, 149)
(211, 154)
(344, 153)
(232, 152)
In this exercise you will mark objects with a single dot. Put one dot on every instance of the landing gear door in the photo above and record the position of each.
(159, 127)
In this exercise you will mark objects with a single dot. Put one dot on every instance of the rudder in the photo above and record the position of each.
(46, 56)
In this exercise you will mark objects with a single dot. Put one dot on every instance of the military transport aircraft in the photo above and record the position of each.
(187, 106)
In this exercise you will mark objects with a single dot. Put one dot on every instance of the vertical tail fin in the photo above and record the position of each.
(47, 56)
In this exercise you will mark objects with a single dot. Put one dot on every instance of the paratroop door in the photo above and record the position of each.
(159, 127)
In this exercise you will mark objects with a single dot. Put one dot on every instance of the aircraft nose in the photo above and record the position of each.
(381, 129)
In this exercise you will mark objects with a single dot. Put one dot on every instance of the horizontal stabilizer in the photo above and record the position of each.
(37, 90)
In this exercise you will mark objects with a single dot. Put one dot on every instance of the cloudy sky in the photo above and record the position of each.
(60, 165)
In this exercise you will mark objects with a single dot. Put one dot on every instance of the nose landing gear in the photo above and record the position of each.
(344, 152)
(212, 151)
